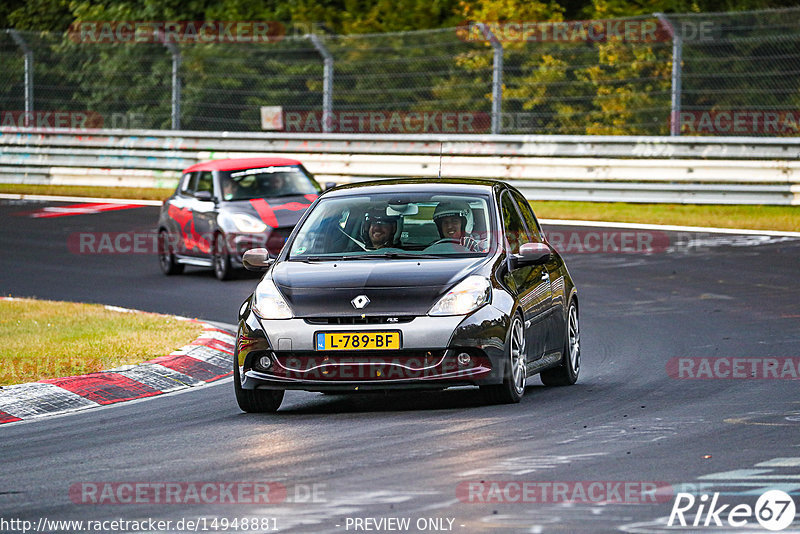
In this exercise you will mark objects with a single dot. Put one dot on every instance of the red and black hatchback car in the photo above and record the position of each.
(222, 208)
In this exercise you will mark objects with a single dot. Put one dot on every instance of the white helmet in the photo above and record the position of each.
(454, 209)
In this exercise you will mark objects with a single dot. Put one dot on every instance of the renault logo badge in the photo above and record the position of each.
(360, 302)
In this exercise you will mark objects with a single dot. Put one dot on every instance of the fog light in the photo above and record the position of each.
(264, 362)
(464, 359)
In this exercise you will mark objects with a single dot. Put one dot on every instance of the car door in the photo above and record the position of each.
(184, 210)
(554, 323)
(179, 212)
(531, 284)
(204, 213)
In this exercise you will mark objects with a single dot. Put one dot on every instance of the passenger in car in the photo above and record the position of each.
(455, 222)
(278, 184)
(451, 219)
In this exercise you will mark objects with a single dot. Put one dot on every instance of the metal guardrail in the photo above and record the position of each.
(703, 147)
(597, 168)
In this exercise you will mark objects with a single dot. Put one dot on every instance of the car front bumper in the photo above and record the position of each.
(429, 357)
(273, 240)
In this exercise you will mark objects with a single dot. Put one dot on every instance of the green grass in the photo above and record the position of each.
(138, 193)
(783, 218)
(45, 339)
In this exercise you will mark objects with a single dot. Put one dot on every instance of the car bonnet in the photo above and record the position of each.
(393, 286)
(274, 212)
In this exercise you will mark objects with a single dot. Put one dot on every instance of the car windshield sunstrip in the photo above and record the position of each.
(279, 181)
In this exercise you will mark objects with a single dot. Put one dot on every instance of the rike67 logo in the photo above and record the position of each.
(774, 510)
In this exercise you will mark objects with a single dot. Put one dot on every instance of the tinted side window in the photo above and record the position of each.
(205, 182)
(513, 225)
(530, 218)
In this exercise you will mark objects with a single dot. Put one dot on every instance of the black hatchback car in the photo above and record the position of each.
(409, 284)
(222, 208)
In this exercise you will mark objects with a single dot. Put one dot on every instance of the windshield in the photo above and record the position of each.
(278, 181)
(395, 225)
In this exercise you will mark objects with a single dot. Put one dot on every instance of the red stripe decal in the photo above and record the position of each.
(7, 418)
(311, 197)
(180, 215)
(185, 219)
(291, 206)
(193, 367)
(104, 388)
(265, 212)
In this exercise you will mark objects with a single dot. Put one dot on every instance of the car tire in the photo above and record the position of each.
(567, 372)
(255, 400)
(513, 387)
(166, 256)
(221, 258)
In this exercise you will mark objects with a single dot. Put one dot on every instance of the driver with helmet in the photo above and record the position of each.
(455, 221)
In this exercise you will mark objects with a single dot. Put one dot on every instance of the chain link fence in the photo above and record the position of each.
(687, 74)
(744, 78)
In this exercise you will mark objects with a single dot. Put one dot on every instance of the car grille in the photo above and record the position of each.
(359, 320)
(371, 366)
(305, 360)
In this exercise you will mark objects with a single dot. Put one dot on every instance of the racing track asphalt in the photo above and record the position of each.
(403, 456)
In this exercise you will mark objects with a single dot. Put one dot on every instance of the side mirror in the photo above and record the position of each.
(329, 185)
(256, 259)
(205, 196)
(532, 254)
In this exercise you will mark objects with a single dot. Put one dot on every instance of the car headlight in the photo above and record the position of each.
(268, 302)
(466, 296)
(248, 224)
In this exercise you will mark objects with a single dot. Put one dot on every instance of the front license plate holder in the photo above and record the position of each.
(384, 340)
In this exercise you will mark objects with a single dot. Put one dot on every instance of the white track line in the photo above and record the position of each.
(669, 227)
(85, 200)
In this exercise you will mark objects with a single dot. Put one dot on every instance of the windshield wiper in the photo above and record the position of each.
(270, 195)
(404, 255)
(315, 258)
(323, 258)
(294, 194)
(373, 256)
